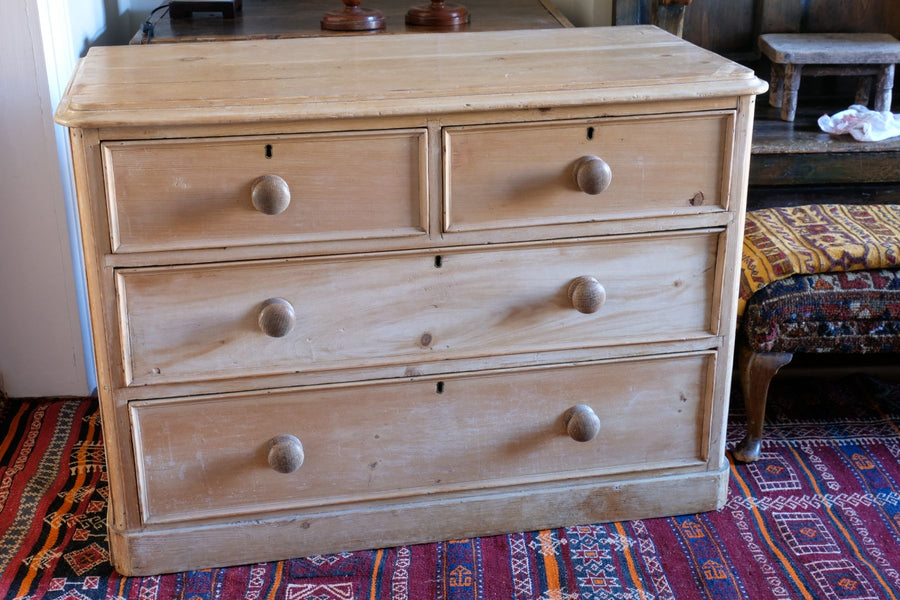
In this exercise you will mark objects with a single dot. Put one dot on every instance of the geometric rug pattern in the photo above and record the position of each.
(817, 517)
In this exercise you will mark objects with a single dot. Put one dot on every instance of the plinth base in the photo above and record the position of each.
(438, 14)
(353, 19)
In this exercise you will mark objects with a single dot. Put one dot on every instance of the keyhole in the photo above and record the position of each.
(590, 133)
(437, 261)
(439, 388)
(268, 150)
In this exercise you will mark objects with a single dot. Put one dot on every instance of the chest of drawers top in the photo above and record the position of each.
(328, 78)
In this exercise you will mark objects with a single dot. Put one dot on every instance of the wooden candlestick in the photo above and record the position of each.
(669, 15)
(353, 18)
(438, 14)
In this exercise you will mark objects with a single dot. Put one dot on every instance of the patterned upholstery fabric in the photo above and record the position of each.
(817, 238)
(853, 312)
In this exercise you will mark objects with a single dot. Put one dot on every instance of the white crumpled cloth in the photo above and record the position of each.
(863, 124)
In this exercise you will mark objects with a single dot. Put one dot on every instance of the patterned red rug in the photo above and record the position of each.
(817, 518)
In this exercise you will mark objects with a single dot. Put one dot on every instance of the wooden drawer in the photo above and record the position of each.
(180, 194)
(203, 322)
(523, 174)
(205, 458)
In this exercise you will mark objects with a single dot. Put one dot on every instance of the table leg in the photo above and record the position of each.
(884, 86)
(863, 90)
(776, 90)
(791, 86)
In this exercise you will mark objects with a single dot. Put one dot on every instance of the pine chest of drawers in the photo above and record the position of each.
(357, 292)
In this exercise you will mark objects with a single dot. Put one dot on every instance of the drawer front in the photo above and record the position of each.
(523, 175)
(199, 458)
(213, 322)
(181, 194)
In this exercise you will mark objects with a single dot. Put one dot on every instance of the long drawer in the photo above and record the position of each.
(211, 457)
(517, 175)
(208, 322)
(206, 193)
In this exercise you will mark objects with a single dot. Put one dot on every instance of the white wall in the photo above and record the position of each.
(43, 312)
(45, 347)
(41, 350)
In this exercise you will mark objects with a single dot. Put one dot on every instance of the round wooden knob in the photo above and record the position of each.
(592, 174)
(582, 423)
(285, 453)
(270, 194)
(276, 317)
(586, 294)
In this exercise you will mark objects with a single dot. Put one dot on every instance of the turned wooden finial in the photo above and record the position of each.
(438, 14)
(353, 18)
(669, 15)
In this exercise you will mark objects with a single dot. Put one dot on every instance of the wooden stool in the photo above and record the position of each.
(864, 55)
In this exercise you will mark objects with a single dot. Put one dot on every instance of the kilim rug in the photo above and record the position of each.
(816, 238)
(818, 517)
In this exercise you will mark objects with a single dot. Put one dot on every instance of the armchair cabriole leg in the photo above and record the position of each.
(756, 370)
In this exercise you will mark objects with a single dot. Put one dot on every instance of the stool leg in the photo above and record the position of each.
(756, 370)
(791, 87)
(884, 86)
(863, 91)
(776, 90)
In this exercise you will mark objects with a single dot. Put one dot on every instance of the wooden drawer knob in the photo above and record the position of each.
(276, 317)
(592, 174)
(285, 453)
(270, 194)
(582, 423)
(586, 294)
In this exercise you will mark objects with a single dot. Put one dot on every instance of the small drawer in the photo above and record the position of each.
(199, 458)
(523, 175)
(203, 193)
(256, 318)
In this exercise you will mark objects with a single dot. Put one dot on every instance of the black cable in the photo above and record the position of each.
(148, 28)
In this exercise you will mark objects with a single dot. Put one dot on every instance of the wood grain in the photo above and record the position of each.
(732, 27)
(326, 78)
(331, 529)
(779, 16)
(488, 188)
(725, 27)
(821, 168)
(361, 443)
(866, 16)
(433, 351)
(179, 194)
(830, 48)
(380, 310)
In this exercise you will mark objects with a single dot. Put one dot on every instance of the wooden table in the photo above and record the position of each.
(261, 19)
